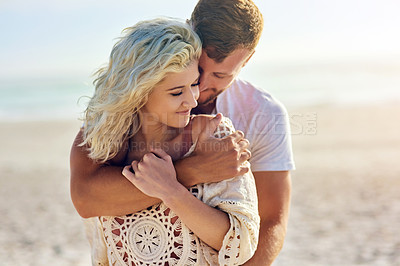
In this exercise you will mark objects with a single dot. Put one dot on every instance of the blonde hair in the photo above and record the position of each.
(139, 60)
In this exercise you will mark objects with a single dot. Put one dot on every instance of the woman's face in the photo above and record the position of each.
(173, 98)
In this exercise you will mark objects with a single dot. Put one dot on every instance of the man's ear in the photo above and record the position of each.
(248, 58)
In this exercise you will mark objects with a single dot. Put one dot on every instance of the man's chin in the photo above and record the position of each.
(207, 101)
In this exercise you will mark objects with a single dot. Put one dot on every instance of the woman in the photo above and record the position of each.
(140, 116)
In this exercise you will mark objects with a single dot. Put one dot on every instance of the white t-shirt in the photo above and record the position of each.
(265, 123)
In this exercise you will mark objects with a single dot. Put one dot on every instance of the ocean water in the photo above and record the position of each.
(352, 83)
(43, 99)
(294, 86)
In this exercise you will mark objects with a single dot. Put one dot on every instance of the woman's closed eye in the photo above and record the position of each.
(177, 93)
(196, 84)
(180, 91)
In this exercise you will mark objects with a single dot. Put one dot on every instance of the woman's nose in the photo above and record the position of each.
(192, 96)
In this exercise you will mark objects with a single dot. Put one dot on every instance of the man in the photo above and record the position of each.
(230, 30)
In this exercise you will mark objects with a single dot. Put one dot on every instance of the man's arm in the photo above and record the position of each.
(273, 189)
(101, 189)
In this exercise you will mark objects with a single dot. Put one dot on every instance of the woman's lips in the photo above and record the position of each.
(186, 112)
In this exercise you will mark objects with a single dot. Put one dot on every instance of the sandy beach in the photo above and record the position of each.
(345, 201)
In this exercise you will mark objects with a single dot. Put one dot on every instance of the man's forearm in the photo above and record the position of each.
(107, 192)
(186, 171)
(273, 189)
(270, 243)
(101, 189)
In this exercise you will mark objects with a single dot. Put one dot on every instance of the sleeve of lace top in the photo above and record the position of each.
(94, 234)
(238, 198)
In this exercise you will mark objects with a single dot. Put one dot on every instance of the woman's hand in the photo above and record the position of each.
(154, 175)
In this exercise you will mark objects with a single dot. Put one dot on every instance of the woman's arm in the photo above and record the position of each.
(238, 198)
(208, 223)
(155, 176)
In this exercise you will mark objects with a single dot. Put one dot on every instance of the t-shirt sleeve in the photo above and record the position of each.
(270, 140)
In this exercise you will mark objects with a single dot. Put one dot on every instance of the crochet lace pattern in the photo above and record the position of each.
(156, 236)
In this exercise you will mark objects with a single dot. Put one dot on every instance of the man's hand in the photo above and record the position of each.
(214, 159)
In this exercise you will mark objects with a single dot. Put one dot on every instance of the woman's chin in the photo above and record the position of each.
(182, 122)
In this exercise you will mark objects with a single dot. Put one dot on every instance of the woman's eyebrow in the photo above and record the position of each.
(178, 87)
(182, 86)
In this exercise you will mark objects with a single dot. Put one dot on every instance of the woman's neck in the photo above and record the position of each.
(153, 132)
(157, 133)
(150, 137)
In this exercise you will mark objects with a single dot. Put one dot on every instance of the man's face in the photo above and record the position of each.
(216, 77)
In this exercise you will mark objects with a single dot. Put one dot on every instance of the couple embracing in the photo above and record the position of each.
(159, 172)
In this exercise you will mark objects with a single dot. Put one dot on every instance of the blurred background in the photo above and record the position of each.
(335, 65)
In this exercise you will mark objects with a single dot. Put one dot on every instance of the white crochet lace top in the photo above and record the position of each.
(156, 236)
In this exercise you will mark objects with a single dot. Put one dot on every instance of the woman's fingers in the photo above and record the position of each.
(130, 170)
(135, 166)
(160, 153)
(128, 173)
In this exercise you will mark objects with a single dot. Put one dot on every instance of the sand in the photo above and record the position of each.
(345, 201)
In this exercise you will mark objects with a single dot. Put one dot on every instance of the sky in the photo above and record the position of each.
(71, 38)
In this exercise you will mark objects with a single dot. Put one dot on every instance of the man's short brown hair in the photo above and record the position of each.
(226, 25)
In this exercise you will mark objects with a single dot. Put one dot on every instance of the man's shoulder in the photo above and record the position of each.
(240, 85)
(244, 97)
